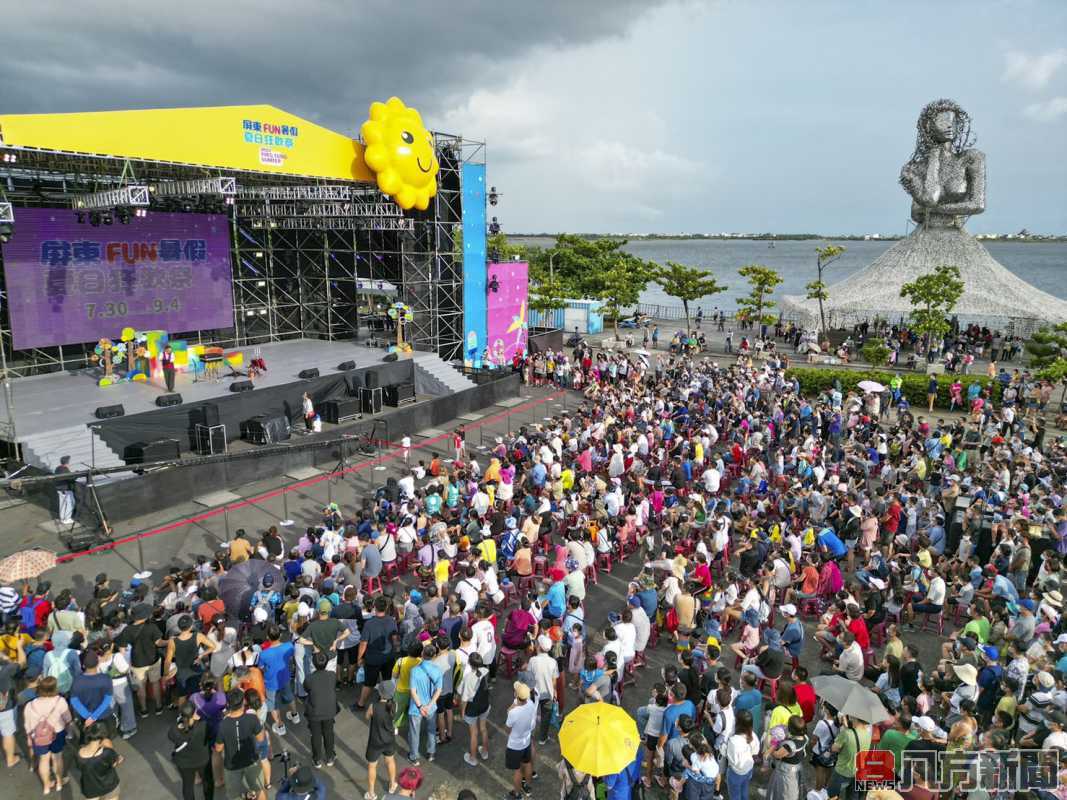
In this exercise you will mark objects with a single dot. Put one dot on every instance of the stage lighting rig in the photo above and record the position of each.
(106, 218)
(494, 226)
(132, 196)
(494, 196)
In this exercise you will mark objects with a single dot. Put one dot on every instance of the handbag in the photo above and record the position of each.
(555, 718)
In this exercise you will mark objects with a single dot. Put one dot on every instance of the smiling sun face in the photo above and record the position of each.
(400, 150)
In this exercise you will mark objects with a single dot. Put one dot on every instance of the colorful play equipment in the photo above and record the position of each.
(141, 351)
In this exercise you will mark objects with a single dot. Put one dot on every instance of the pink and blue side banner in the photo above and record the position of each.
(474, 247)
(507, 299)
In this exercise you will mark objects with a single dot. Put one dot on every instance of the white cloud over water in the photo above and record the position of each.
(1033, 71)
(1047, 111)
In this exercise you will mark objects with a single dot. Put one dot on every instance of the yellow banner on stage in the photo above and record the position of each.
(258, 138)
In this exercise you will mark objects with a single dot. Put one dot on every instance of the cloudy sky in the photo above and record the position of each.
(613, 116)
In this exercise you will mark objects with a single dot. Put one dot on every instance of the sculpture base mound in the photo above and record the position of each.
(991, 293)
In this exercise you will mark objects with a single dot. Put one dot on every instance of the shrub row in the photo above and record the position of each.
(815, 380)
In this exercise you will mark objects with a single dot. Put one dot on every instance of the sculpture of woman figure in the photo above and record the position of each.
(945, 176)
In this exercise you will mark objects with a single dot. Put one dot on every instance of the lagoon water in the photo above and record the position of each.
(1043, 265)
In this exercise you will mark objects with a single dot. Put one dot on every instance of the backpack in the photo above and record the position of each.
(479, 704)
(59, 668)
(43, 734)
(28, 614)
(579, 791)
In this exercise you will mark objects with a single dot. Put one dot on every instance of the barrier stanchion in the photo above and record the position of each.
(226, 518)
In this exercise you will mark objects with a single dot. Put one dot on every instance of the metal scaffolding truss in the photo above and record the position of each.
(131, 195)
(300, 249)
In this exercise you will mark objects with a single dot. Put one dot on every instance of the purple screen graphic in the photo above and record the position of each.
(70, 282)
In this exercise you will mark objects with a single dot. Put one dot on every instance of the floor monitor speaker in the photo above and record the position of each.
(308, 374)
(345, 366)
(107, 412)
(389, 357)
(151, 452)
(165, 400)
(241, 386)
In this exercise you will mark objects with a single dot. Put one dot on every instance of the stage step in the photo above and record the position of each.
(80, 442)
(441, 375)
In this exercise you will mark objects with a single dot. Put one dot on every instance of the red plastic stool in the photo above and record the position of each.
(603, 561)
(511, 594)
(773, 683)
(369, 585)
(590, 574)
(526, 585)
(540, 565)
(653, 636)
(508, 655)
(391, 571)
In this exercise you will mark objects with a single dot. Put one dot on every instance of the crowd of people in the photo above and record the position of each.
(770, 537)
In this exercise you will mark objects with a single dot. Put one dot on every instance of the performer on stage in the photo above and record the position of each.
(309, 411)
(65, 492)
(167, 360)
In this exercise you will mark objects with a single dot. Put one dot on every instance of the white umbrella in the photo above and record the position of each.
(871, 386)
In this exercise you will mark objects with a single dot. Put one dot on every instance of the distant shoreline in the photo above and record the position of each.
(769, 237)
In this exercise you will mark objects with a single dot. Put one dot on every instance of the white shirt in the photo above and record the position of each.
(484, 639)
(740, 753)
(468, 590)
(935, 595)
(712, 478)
(643, 626)
(627, 634)
(520, 723)
(407, 486)
(545, 671)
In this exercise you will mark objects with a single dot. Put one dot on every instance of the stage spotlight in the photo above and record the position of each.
(7, 230)
(81, 217)
(187, 206)
(494, 226)
(493, 286)
(94, 219)
(107, 218)
(140, 212)
(494, 198)
(123, 215)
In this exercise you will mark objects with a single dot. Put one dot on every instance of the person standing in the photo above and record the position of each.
(519, 754)
(309, 410)
(96, 760)
(144, 638)
(545, 673)
(65, 492)
(45, 719)
(166, 359)
(381, 739)
(376, 650)
(741, 751)
(238, 733)
(192, 752)
(424, 690)
(321, 707)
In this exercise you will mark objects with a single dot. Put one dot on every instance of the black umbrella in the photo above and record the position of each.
(237, 586)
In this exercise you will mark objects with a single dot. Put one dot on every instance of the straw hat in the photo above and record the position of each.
(967, 673)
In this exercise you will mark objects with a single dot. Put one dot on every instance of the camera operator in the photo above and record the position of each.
(301, 784)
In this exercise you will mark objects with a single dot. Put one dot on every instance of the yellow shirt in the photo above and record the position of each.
(441, 570)
(781, 714)
(567, 478)
(488, 550)
(402, 672)
(9, 644)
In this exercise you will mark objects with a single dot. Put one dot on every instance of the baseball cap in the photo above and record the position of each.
(788, 609)
(522, 691)
(325, 606)
(410, 778)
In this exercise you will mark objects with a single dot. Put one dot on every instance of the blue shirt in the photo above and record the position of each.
(1003, 587)
(673, 712)
(426, 681)
(538, 474)
(937, 539)
(275, 662)
(557, 599)
(433, 504)
(793, 638)
(752, 702)
(828, 540)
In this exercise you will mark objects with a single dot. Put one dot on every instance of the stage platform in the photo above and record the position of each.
(52, 412)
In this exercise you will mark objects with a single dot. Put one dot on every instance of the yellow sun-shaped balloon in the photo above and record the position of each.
(400, 151)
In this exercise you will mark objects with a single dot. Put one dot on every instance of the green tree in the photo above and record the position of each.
(687, 284)
(762, 280)
(817, 288)
(620, 286)
(547, 294)
(1047, 346)
(932, 297)
(875, 352)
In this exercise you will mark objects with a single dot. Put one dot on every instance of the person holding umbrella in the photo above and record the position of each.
(853, 738)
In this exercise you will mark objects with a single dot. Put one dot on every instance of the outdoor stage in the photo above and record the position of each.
(53, 412)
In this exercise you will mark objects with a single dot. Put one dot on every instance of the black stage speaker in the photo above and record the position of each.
(370, 400)
(338, 411)
(77, 541)
(107, 412)
(241, 386)
(353, 383)
(389, 357)
(344, 366)
(211, 414)
(370, 378)
(265, 430)
(165, 400)
(308, 374)
(398, 394)
(149, 452)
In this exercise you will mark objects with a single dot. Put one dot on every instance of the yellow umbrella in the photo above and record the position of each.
(599, 739)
